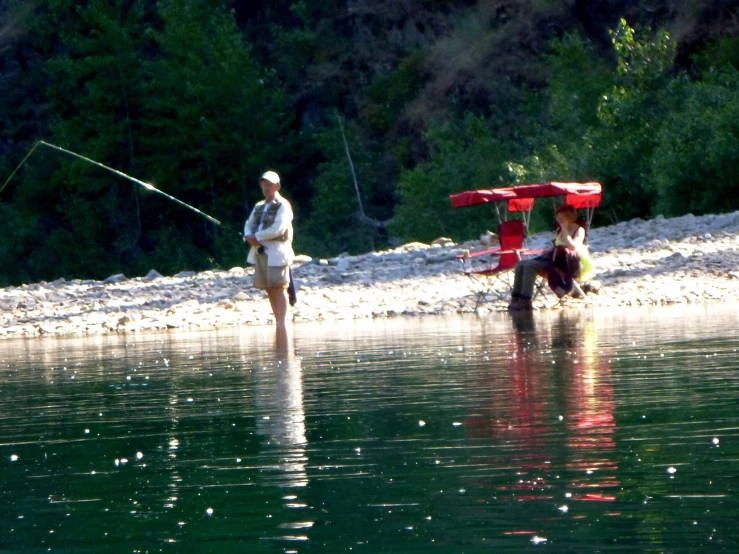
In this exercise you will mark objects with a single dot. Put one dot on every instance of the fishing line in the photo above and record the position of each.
(119, 173)
(20, 165)
(291, 288)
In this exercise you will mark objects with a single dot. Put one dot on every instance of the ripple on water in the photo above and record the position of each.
(595, 430)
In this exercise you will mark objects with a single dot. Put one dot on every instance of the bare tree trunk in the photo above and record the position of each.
(362, 216)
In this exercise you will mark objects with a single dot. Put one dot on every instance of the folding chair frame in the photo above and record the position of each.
(541, 285)
(512, 235)
(485, 289)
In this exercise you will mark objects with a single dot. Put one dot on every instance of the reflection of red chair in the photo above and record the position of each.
(501, 260)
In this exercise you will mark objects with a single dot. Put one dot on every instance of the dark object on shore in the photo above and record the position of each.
(292, 293)
(591, 287)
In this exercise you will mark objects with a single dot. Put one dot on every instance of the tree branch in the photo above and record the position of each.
(361, 215)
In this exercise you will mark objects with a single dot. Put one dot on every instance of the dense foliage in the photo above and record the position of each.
(415, 99)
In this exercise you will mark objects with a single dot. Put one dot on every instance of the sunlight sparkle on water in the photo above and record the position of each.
(536, 408)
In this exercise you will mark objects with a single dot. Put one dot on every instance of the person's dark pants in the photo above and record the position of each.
(525, 275)
(292, 293)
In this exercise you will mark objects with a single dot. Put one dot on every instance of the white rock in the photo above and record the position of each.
(443, 241)
(118, 278)
(153, 275)
(413, 246)
(342, 265)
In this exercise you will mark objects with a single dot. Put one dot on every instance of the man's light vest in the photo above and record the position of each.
(266, 217)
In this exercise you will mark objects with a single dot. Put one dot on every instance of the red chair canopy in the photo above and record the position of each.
(520, 198)
(557, 189)
(520, 204)
(584, 201)
(474, 197)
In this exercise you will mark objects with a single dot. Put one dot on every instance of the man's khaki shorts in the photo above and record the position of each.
(268, 277)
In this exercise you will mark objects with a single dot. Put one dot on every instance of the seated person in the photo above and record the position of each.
(569, 259)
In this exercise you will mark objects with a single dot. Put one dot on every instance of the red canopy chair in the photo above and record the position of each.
(512, 233)
(498, 261)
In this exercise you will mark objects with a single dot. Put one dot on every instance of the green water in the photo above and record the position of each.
(580, 431)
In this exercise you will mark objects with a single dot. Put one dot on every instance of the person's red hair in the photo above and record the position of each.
(568, 210)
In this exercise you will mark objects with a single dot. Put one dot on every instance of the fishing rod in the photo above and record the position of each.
(119, 173)
(291, 288)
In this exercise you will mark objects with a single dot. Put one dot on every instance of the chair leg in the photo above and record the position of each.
(578, 288)
(482, 296)
(540, 290)
(482, 291)
(480, 299)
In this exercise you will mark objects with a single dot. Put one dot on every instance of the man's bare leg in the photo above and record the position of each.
(278, 301)
(283, 341)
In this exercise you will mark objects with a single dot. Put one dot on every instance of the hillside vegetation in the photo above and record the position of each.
(417, 99)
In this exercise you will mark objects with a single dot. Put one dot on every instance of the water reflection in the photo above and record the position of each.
(588, 410)
(434, 435)
(552, 409)
(280, 415)
(280, 425)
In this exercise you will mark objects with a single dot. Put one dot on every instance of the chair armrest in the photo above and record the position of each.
(489, 252)
(497, 252)
(527, 252)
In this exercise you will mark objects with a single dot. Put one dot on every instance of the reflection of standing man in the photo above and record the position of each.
(269, 231)
(280, 415)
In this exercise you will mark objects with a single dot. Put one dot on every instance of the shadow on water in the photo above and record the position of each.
(574, 431)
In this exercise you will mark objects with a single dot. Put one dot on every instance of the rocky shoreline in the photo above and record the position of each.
(683, 260)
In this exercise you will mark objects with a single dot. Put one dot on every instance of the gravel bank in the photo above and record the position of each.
(683, 260)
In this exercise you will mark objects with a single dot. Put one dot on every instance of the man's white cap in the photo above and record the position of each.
(271, 176)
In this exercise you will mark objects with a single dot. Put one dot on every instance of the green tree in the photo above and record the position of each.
(603, 125)
(335, 223)
(696, 160)
(464, 155)
(167, 93)
(214, 120)
(578, 81)
(622, 144)
(88, 219)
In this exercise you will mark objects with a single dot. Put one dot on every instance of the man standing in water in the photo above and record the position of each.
(269, 231)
